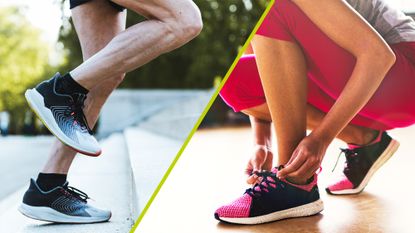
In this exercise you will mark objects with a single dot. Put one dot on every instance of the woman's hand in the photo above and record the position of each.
(306, 159)
(260, 160)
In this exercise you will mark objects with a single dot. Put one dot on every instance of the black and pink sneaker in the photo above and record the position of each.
(271, 200)
(361, 164)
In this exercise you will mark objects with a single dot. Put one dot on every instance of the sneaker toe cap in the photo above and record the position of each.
(240, 208)
(99, 213)
(342, 184)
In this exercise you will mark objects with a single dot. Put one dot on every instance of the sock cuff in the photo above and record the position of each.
(48, 181)
(70, 85)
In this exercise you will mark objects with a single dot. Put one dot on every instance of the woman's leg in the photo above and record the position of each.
(283, 72)
(329, 66)
(353, 134)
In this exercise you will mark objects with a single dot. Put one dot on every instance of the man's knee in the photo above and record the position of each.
(192, 23)
(187, 24)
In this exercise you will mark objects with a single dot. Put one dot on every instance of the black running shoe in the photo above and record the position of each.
(361, 164)
(63, 204)
(63, 115)
(271, 200)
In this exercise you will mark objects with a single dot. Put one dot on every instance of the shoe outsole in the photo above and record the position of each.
(47, 214)
(29, 95)
(385, 156)
(306, 210)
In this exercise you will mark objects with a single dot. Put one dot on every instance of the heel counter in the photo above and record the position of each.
(315, 193)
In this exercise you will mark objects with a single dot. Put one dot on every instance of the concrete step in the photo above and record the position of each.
(107, 179)
(17, 162)
(138, 105)
(150, 155)
(177, 120)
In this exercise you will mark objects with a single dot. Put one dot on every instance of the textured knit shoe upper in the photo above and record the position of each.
(270, 196)
(64, 199)
(67, 112)
(358, 162)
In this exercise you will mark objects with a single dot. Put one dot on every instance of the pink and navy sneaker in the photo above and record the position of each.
(271, 200)
(361, 164)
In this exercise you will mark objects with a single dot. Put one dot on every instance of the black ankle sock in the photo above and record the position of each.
(67, 85)
(48, 181)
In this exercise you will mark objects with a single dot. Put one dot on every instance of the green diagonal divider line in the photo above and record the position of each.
(202, 116)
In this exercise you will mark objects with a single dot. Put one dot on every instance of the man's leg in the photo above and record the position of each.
(170, 24)
(96, 23)
(58, 102)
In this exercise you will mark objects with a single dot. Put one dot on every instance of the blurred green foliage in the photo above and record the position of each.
(23, 62)
(24, 57)
(227, 24)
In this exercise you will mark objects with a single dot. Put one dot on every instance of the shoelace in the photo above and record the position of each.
(349, 154)
(269, 181)
(76, 193)
(77, 112)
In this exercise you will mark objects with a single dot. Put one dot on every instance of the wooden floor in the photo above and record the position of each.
(210, 173)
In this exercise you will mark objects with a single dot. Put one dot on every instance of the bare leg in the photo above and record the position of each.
(170, 24)
(350, 134)
(282, 69)
(96, 23)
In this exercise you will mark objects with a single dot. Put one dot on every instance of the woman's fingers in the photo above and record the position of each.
(267, 166)
(252, 179)
(296, 162)
(305, 171)
(261, 161)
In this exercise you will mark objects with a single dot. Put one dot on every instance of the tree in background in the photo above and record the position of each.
(23, 62)
(227, 24)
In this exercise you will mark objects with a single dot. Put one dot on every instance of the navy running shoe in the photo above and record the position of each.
(361, 164)
(271, 200)
(63, 115)
(63, 204)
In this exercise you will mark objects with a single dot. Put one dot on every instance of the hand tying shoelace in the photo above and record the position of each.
(268, 180)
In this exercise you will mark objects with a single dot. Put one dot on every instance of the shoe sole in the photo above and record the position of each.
(386, 155)
(35, 101)
(310, 209)
(50, 215)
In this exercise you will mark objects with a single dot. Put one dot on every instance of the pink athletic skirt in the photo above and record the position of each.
(329, 69)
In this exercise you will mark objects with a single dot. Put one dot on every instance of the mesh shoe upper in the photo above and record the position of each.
(64, 199)
(359, 160)
(271, 195)
(66, 109)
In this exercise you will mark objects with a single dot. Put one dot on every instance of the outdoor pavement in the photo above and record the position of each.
(210, 173)
(136, 154)
(107, 180)
(21, 158)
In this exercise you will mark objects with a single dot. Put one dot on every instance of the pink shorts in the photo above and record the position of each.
(329, 69)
